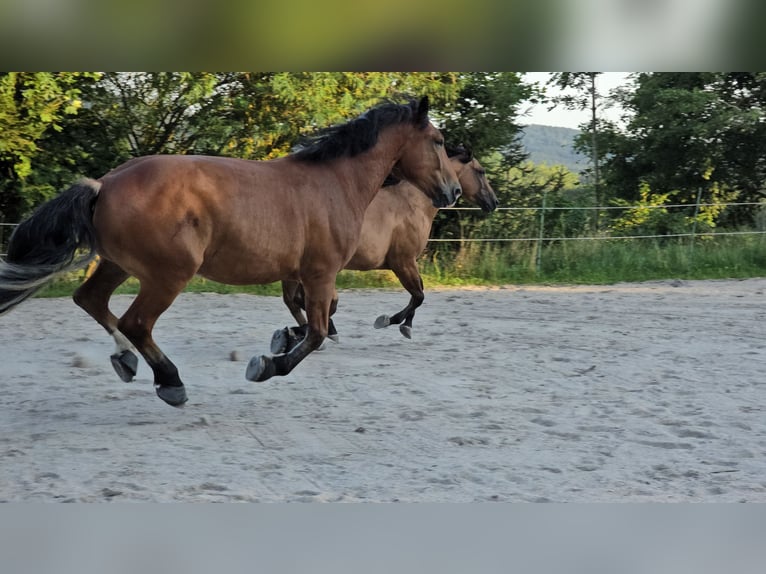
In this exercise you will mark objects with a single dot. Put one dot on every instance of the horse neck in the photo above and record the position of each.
(409, 199)
(368, 170)
(424, 203)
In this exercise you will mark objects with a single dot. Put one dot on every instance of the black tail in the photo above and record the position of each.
(45, 245)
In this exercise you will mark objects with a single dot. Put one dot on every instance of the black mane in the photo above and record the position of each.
(463, 153)
(357, 135)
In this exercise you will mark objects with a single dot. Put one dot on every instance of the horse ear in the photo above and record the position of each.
(421, 118)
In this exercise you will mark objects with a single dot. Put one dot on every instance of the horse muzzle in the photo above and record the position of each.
(487, 204)
(447, 197)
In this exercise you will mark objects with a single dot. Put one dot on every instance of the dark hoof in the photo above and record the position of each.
(334, 338)
(260, 368)
(406, 331)
(285, 340)
(382, 321)
(126, 365)
(174, 396)
(279, 341)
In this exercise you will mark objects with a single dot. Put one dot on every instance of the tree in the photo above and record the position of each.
(253, 115)
(585, 96)
(692, 132)
(521, 186)
(31, 104)
(276, 109)
(124, 115)
(524, 186)
(743, 132)
(248, 115)
(135, 114)
(483, 117)
(485, 112)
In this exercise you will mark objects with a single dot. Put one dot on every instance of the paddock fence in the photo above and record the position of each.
(536, 222)
(535, 216)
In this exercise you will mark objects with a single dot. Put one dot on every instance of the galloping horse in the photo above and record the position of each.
(394, 233)
(164, 219)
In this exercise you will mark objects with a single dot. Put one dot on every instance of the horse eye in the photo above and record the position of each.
(439, 142)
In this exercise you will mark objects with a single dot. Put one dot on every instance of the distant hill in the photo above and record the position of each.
(554, 146)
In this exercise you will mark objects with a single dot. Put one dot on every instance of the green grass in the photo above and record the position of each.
(599, 261)
(568, 262)
(64, 287)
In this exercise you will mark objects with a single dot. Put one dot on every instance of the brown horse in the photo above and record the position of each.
(395, 231)
(164, 219)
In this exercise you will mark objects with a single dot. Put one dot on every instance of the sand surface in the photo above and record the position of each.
(630, 392)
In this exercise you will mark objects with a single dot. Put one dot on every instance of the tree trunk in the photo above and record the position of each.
(594, 150)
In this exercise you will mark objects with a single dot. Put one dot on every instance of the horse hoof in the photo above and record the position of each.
(334, 338)
(406, 331)
(293, 340)
(126, 365)
(260, 368)
(174, 396)
(279, 341)
(382, 321)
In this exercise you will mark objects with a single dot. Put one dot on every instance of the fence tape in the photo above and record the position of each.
(539, 208)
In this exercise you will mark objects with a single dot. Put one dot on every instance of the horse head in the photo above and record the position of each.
(424, 160)
(473, 178)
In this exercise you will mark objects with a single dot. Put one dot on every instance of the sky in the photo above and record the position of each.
(539, 114)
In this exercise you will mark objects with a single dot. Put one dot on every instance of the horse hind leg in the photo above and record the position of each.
(137, 323)
(415, 287)
(409, 277)
(124, 360)
(93, 296)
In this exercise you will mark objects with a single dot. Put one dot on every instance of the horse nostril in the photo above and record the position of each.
(458, 191)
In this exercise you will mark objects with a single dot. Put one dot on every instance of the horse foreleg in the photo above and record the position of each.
(319, 298)
(409, 277)
(286, 339)
(137, 324)
(93, 296)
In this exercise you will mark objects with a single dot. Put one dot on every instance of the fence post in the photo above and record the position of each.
(539, 259)
(694, 225)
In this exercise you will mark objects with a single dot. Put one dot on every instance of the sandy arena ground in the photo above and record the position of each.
(629, 392)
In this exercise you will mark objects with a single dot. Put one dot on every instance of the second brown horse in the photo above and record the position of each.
(395, 232)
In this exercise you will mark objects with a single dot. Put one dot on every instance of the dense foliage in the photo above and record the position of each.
(32, 105)
(55, 127)
(686, 135)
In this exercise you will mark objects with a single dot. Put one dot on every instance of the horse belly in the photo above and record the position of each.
(239, 267)
(366, 261)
